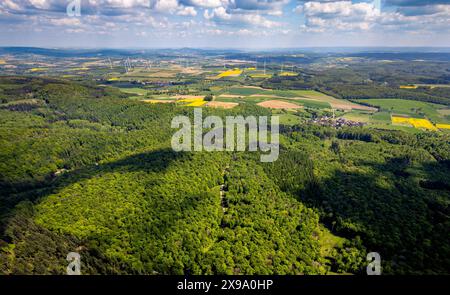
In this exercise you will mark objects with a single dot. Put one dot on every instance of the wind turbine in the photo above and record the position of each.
(127, 65)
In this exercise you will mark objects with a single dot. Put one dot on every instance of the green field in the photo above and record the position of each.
(379, 120)
(389, 126)
(289, 119)
(244, 91)
(260, 76)
(306, 98)
(314, 104)
(358, 117)
(248, 99)
(412, 108)
(134, 90)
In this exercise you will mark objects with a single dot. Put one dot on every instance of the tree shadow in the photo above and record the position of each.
(405, 219)
(14, 193)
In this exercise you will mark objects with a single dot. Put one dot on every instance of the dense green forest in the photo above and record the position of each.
(86, 169)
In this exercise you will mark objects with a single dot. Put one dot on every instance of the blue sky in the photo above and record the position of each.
(249, 24)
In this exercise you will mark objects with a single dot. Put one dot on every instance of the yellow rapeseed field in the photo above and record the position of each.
(230, 73)
(197, 103)
(422, 123)
(408, 86)
(38, 69)
(193, 102)
(190, 99)
(260, 75)
(443, 126)
(417, 123)
(288, 74)
(400, 120)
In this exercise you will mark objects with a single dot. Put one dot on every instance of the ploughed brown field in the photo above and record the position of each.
(220, 104)
(278, 104)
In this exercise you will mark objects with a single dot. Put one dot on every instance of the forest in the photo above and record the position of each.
(86, 169)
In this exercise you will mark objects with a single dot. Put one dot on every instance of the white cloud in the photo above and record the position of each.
(187, 11)
(321, 16)
(41, 4)
(339, 15)
(169, 6)
(205, 3)
(169, 18)
(66, 21)
(9, 4)
(221, 15)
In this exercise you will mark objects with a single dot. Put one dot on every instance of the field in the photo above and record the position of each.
(415, 122)
(444, 112)
(151, 73)
(245, 91)
(191, 101)
(135, 90)
(308, 98)
(219, 104)
(431, 86)
(288, 74)
(313, 104)
(196, 103)
(334, 102)
(158, 101)
(400, 114)
(230, 73)
(155, 74)
(260, 76)
(408, 86)
(278, 104)
(188, 98)
(38, 69)
(288, 119)
(358, 117)
(419, 109)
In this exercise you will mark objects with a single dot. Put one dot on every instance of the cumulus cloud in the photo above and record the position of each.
(204, 3)
(345, 15)
(415, 2)
(187, 11)
(148, 18)
(339, 15)
(65, 21)
(259, 4)
(222, 16)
